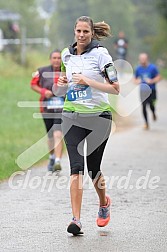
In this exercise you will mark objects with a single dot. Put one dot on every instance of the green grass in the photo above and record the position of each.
(164, 73)
(18, 129)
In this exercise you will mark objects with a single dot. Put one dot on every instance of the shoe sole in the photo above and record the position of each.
(104, 224)
(74, 229)
(108, 218)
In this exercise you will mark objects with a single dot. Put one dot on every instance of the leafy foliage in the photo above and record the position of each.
(162, 7)
(143, 21)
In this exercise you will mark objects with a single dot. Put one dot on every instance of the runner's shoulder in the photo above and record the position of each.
(45, 69)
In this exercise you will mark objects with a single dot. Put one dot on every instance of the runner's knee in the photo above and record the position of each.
(78, 169)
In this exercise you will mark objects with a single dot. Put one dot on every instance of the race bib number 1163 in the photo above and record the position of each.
(79, 92)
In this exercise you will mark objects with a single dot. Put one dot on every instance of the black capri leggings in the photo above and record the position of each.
(95, 130)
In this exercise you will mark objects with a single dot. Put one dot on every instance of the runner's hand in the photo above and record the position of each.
(149, 81)
(137, 81)
(62, 81)
(80, 79)
(48, 94)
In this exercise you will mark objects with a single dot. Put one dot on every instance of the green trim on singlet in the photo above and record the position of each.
(79, 108)
(63, 68)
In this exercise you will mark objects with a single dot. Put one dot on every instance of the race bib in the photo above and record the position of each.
(79, 93)
(55, 103)
(145, 77)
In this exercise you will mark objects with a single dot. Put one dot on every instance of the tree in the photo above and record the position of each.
(120, 18)
(64, 19)
(162, 7)
(159, 45)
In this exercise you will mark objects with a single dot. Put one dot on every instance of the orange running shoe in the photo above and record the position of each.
(104, 214)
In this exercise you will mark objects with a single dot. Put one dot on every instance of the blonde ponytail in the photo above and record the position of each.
(101, 30)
